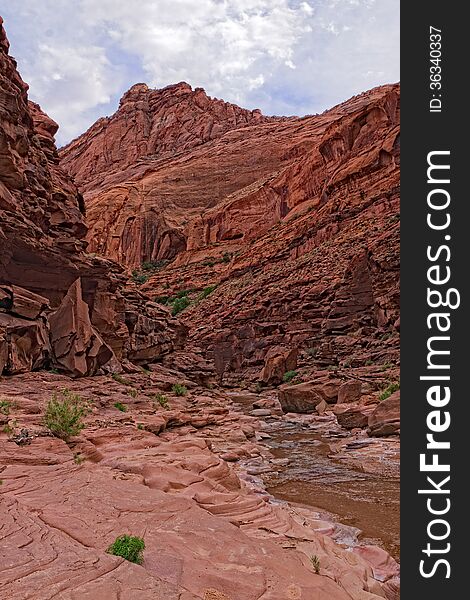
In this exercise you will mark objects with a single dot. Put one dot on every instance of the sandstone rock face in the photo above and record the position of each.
(295, 220)
(385, 419)
(278, 361)
(42, 254)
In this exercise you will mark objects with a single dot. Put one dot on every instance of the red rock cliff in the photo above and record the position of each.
(44, 267)
(295, 219)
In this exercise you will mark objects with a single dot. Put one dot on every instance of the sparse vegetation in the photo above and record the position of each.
(389, 390)
(315, 563)
(8, 429)
(289, 376)
(153, 265)
(161, 399)
(129, 547)
(140, 425)
(78, 458)
(5, 406)
(368, 363)
(206, 292)
(64, 414)
(179, 390)
(133, 393)
(120, 406)
(312, 352)
(139, 277)
(179, 304)
(226, 257)
(386, 366)
(120, 379)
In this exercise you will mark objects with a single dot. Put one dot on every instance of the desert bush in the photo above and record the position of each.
(120, 406)
(179, 304)
(161, 399)
(206, 292)
(315, 563)
(139, 277)
(64, 414)
(389, 390)
(289, 376)
(129, 547)
(5, 406)
(120, 379)
(133, 393)
(179, 389)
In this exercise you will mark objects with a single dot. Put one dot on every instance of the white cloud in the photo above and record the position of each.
(283, 56)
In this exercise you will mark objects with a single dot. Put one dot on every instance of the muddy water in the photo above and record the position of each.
(315, 477)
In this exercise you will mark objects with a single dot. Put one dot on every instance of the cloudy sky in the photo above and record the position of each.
(282, 56)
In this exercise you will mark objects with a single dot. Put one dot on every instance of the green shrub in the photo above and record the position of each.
(133, 393)
(389, 390)
(120, 379)
(140, 425)
(180, 304)
(140, 278)
(315, 563)
(161, 399)
(153, 265)
(78, 458)
(5, 406)
(179, 390)
(64, 414)
(226, 257)
(368, 363)
(129, 547)
(206, 292)
(120, 406)
(289, 376)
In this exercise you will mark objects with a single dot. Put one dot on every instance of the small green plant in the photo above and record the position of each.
(206, 292)
(226, 257)
(8, 429)
(5, 406)
(120, 406)
(259, 387)
(315, 563)
(153, 265)
(289, 376)
(133, 393)
(179, 389)
(179, 304)
(78, 458)
(389, 390)
(120, 379)
(161, 399)
(369, 363)
(312, 352)
(64, 414)
(140, 425)
(386, 366)
(139, 277)
(129, 547)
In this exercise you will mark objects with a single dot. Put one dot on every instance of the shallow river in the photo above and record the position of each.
(367, 501)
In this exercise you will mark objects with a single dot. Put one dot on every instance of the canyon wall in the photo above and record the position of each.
(295, 220)
(60, 306)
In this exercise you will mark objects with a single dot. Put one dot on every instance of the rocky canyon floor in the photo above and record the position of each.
(187, 477)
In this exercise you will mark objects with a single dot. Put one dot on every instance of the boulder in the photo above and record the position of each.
(349, 392)
(300, 398)
(77, 347)
(385, 418)
(278, 361)
(24, 344)
(353, 416)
